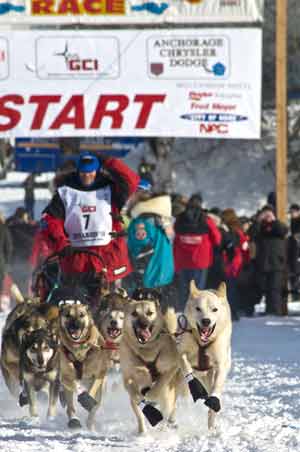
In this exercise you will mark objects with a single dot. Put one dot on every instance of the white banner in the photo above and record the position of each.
(129, 11)
(183, 83)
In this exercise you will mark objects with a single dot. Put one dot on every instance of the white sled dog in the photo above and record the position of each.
(205, 346)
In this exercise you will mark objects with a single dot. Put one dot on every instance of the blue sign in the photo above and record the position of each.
(35, 155)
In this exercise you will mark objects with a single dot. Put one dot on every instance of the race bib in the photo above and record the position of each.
(88, 220)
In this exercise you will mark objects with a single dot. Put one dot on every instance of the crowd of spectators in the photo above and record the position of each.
(173, 239)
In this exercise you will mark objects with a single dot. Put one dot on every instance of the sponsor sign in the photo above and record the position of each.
(124, 83)
(4, 65)
(75, 58)
(130, 11)
(179, 57)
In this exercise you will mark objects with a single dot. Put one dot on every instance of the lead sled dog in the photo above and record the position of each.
(205, 345)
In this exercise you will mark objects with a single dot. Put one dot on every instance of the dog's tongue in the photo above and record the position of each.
(75, 333)
(205, 333)
(114, 332)
(145, 333)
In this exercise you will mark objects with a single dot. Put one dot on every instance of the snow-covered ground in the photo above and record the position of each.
(260, 408)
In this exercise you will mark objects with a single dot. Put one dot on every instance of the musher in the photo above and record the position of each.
(85, 213)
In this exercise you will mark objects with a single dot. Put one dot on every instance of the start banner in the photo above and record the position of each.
(42, 12)
(179, 83)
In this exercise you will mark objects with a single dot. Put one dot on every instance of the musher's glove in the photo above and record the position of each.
(67, 251)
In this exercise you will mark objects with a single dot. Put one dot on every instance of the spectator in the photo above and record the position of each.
(269, 235)
(293, 252)
(195, 237)
(149, 243)
(235, 246)
(179, 203)
(29, 199)
(6, 250)
(22, 233)
(249, 291)
(216, 273)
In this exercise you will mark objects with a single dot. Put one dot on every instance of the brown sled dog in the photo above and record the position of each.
(149, 360)
(80, 359)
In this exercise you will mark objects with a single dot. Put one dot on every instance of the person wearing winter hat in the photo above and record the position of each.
(269, 235)
(150, 245)
(85, 213)
(196, 235)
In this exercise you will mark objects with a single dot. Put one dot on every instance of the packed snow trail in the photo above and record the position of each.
(260, 412)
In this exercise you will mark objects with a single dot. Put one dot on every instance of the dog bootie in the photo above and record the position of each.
(23, 399)
(74, 423)
(213, 402)
(152, 414)
(86, 401)
(197, 390)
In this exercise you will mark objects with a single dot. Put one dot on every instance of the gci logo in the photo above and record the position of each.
(87, 64)
(75, 63)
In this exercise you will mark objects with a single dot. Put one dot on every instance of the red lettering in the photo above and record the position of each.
(93, 6)
(42, 106)
(42, 6)
(147, 104)
(88, 209)
(77, 118)
(74, 65)
(89, 65)
(116, 114)
(68, 6)
(214, 128)
(13, 115)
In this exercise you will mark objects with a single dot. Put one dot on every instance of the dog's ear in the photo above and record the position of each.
(221, 290)
(194, 291)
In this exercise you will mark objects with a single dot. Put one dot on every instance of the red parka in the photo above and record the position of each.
(113, 256)
(194, 242)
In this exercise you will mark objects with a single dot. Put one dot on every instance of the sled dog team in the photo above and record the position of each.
(68, 350)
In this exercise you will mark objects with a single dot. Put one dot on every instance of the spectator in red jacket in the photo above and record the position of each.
(195, 236)
(235, 253)
(85, 213)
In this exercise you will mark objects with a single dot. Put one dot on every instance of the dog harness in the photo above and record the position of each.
(203, 359)
(151, 366)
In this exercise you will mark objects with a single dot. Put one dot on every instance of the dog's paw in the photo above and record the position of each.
(23, 399)
(74, 423)
(213, 402)
(197, 390)
(152, 414)
(87, 401)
